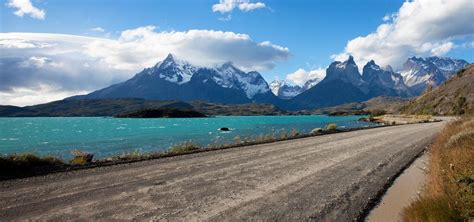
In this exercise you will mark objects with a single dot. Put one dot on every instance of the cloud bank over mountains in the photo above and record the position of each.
(71, 63)
(420, 27)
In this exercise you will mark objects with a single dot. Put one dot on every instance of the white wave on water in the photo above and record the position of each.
(11, 139)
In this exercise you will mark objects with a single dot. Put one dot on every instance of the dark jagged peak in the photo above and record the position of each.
(173, 70)
(348, 63)
(350, 60)
(168, 61)
(346, 71)
(372, 65)
(414, 58)
(169, 57)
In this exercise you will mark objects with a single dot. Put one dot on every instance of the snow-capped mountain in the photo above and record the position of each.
(285, 91)
(173, 70)
(383, 81)
(343, 84)
(346, 71)
(418, 73)
(174, 79)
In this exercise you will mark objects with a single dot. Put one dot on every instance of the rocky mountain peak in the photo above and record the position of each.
(350, 60)
(284, 90)
(419, 72)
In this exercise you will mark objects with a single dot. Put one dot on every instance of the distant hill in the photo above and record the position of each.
(161, 113)
(453, 97)
(374, 105)
(112, 107)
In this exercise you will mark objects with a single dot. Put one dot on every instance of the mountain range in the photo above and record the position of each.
(418, 73)
(344, 84)
(175, 79)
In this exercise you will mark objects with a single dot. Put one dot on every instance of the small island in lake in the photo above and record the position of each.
(161, 113)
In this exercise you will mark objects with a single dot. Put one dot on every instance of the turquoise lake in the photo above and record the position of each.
(104, 137)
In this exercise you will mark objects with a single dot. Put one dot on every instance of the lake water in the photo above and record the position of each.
(104, 137)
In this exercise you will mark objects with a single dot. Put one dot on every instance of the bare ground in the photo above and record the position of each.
(324, 178)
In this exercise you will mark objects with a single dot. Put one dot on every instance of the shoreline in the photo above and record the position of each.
(104, 162)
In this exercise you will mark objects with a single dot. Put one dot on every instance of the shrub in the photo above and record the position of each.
(183, 148)
(377, 112)
(81, 158)
(316, 130)
(331, 126)
(25, 165)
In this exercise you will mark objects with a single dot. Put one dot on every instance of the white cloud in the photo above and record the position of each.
(420, 28)
(26, 7)
(225, 6)
(442, 49)
(245, 6)
(301, 76)
(142, 47)
(43, 94)
(70, 63)
(98, 29)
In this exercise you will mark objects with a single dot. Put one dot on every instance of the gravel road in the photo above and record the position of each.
(323, 178)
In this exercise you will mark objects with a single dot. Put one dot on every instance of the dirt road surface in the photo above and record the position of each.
(323, 178)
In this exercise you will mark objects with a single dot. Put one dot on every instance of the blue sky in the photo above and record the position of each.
(312, 30)
(304, 36)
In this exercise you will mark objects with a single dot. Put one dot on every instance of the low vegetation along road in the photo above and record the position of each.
(331, 177)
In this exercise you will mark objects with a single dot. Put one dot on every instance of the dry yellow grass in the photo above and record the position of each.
(449, 194)
(403, 119)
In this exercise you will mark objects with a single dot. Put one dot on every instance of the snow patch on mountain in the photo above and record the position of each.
(174, 70)
(225, 75)
(432, 70)
(284, 90)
